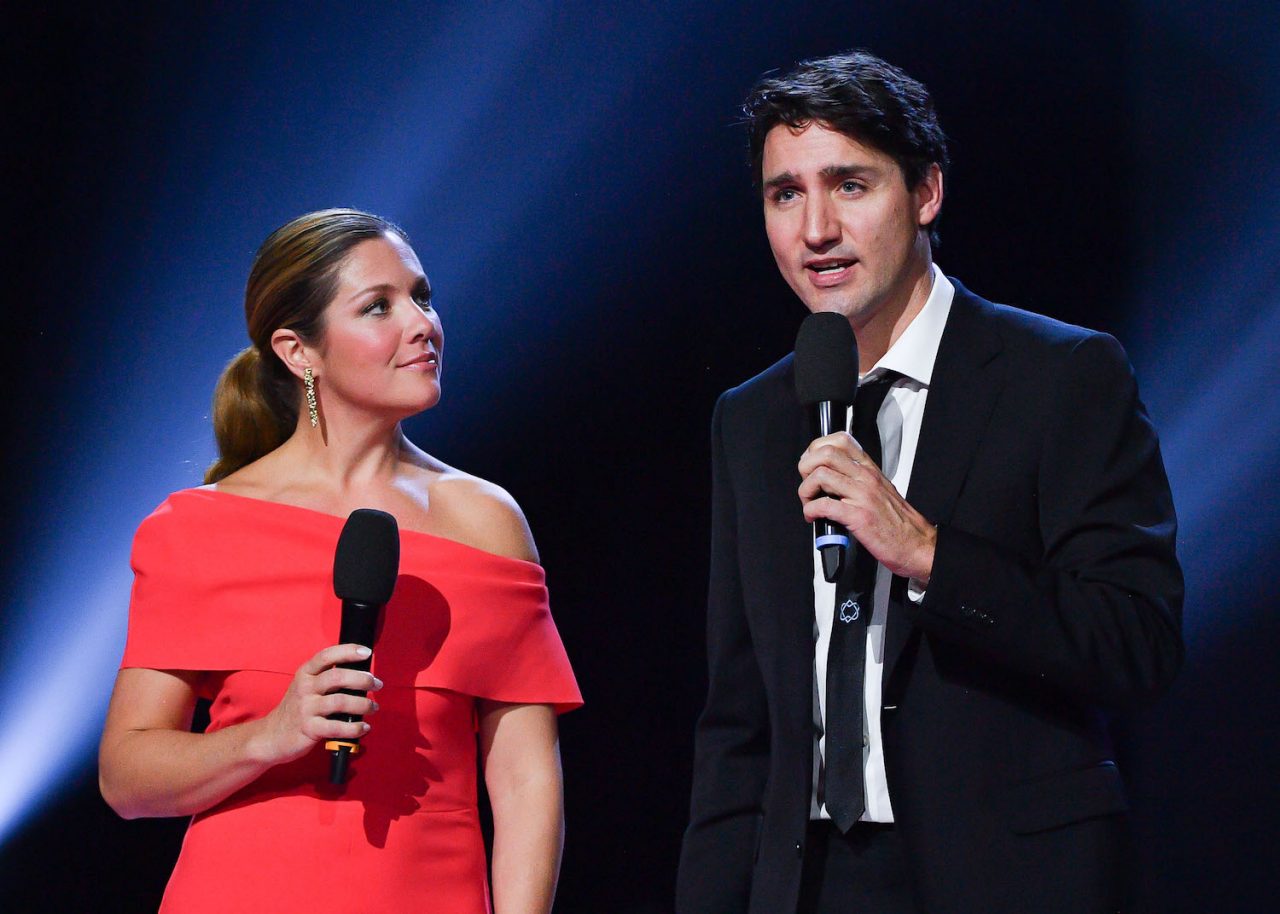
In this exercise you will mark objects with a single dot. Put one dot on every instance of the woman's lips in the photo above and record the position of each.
(426, 362)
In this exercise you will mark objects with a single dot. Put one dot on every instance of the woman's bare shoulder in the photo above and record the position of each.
(477, 512)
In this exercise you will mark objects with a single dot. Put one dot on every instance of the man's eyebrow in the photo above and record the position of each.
(848, 171)
(830, 172)
(778, 180)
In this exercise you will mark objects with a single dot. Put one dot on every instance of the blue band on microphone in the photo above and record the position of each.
(831, 539)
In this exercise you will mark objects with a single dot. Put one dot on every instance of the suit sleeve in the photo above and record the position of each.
(1098, 614)
(731, 742)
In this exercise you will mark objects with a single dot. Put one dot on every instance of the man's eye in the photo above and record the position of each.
(851, 187)
(784, 195)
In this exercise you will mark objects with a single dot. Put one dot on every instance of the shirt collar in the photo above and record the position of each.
(913, 354)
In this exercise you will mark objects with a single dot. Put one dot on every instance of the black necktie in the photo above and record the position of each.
(846, 656)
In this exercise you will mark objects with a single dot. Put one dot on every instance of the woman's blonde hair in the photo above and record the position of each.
(292, 281)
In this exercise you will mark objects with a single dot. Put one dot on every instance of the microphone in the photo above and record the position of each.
(365, 566)
(826, 383)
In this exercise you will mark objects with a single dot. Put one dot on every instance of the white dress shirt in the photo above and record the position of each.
(899, 419)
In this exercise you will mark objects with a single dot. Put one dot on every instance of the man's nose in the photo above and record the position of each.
(821, 227)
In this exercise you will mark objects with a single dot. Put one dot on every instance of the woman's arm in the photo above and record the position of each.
(150, 764)
(520, 750)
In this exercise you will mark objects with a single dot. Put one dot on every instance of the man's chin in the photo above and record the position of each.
(844, 305)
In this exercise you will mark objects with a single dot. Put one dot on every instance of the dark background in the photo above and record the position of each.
(577, 189)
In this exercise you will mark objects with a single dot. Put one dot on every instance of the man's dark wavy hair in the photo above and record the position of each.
(861, 96)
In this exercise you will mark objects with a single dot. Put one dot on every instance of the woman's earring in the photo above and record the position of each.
(309, 381)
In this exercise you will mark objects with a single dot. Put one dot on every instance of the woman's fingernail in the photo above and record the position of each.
(363, 651)
(364, 728)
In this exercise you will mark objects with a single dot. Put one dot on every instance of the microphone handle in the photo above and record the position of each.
(829, 538)
(359, 626)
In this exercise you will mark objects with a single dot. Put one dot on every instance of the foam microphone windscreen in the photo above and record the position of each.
(826, 359)
(367, 560)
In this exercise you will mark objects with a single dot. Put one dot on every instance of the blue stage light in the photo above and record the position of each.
(55, 685)
(1222, 453)
(270, 148)
(453, 125)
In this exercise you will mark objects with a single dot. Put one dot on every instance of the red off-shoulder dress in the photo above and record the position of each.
(242, 590)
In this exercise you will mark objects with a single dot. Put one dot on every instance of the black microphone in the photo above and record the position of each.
(365, 566)
(827, 382)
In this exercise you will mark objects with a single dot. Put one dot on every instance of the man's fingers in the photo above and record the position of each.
(824, 482)
(833, 483)
(852, 517)
(841, 454)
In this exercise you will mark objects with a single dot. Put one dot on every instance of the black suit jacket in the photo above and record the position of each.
(1055, 596)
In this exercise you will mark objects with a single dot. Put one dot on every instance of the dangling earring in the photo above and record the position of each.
(309, 381)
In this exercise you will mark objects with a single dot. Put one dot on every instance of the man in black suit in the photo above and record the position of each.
(1024, 582)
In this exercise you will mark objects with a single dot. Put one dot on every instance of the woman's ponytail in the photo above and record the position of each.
(248, 420)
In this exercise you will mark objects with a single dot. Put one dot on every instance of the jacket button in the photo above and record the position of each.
(799, 850)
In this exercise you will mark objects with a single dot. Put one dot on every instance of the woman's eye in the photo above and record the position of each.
(423, 301)
(377, 306)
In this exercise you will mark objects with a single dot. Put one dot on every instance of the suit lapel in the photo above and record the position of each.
(968, 377)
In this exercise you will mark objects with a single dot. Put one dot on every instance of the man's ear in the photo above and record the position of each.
(928, 195)
(288, 346)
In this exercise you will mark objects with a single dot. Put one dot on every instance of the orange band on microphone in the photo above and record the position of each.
(333, 745)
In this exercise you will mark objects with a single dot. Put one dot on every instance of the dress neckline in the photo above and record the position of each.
(249, 499)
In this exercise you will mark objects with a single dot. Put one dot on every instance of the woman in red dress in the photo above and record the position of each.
(233, 602)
